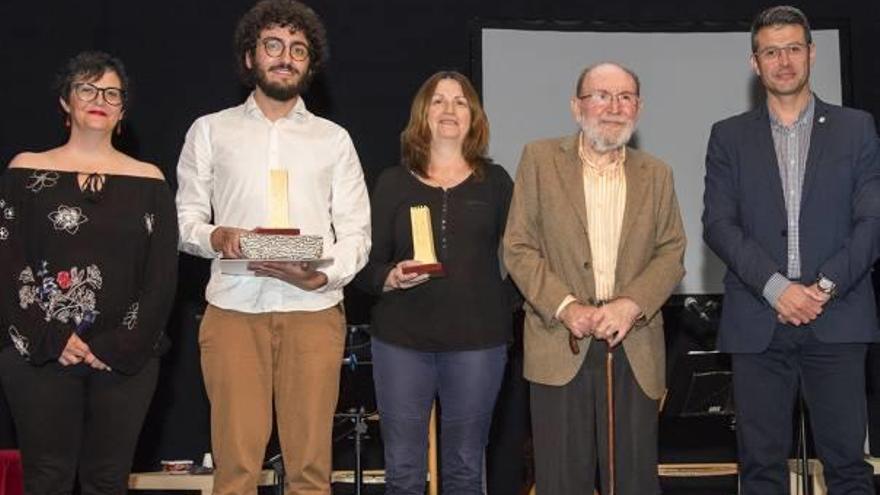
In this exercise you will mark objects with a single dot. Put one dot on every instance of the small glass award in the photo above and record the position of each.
(423, 243)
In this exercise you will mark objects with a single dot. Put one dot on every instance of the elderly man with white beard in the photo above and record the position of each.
(595, 242)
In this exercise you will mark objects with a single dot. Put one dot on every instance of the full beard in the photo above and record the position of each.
(602, 142)
(278, 91)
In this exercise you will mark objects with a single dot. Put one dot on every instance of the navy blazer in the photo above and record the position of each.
(744, 223)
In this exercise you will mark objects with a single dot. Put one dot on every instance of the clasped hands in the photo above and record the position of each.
(301, 274)
(610, 322)
(800, 304)
(76, 351)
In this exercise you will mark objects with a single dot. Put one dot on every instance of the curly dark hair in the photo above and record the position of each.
(89, 66)
(284, 13)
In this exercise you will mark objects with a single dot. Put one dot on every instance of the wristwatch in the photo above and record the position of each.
(826, 285)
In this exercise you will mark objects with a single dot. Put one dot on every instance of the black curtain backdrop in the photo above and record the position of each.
(179, 56)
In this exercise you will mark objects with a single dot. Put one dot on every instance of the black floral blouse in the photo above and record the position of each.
(98, 260)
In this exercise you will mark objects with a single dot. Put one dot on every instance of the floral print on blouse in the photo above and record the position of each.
(98, 263)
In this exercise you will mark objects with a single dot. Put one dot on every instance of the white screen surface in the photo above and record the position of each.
(689, 80)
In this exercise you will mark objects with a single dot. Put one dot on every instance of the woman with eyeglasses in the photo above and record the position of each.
(439, 335)
(88, 260)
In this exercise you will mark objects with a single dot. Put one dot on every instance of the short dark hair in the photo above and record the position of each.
(780, 15)
(586, 72)
(282, 13)
(415, 140)
(91, 65)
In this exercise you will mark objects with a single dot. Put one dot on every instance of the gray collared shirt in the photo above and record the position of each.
(792, 144)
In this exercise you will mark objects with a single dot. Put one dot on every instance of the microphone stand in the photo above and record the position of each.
(358, 416)
(804, 460)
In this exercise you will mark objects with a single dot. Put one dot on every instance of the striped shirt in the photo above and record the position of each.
(792, 144)
(605, 197)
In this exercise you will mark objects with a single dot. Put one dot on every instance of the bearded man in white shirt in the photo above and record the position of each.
(276, 338)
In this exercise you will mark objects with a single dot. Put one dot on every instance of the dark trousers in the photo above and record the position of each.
(407, 381)
(832, 377)
(75, 420)
(570, 431)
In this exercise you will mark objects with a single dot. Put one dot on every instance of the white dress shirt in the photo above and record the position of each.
(224, 167)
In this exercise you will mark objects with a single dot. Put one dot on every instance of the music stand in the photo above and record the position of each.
(358, 414)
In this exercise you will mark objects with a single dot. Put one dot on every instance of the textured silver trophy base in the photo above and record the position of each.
(273, 246)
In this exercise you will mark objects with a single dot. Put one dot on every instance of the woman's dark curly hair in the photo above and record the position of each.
(283, 13)
(89, 66)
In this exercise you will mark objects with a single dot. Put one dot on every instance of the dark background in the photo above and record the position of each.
(179, 56)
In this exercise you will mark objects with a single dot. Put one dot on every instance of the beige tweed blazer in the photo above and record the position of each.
(547, 252)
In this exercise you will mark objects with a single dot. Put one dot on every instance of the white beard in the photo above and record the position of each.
(602, 143)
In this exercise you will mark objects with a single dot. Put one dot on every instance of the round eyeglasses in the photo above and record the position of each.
(88, 92)
(274, 48)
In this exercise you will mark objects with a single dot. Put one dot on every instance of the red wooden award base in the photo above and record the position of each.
(261, 230)
(434, 269)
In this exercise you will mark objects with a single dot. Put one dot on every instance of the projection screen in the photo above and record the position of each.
(689, 80)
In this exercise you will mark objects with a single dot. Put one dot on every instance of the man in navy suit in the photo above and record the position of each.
(792, 206)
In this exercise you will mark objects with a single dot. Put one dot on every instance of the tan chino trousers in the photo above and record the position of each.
(250, 359)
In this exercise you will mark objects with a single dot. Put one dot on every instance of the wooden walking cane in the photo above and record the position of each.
(609, 397)
(609, 385)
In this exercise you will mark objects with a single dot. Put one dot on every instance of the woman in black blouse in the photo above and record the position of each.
(88, 256)
(443, 336)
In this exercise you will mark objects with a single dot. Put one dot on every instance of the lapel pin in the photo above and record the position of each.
(822, 119)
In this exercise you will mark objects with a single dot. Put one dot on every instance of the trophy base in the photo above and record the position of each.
(280, 244)
(261, 230)
(433, 269)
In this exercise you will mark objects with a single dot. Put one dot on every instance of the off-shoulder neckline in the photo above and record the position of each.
(78, 173)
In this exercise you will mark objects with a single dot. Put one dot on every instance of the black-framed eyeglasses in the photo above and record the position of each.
(88, 92)
(771, 53)
(603, 98)
(274, 48)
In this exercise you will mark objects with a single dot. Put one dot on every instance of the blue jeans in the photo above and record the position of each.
(407, 381)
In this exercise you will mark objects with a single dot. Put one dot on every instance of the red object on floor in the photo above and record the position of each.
(10, 473)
